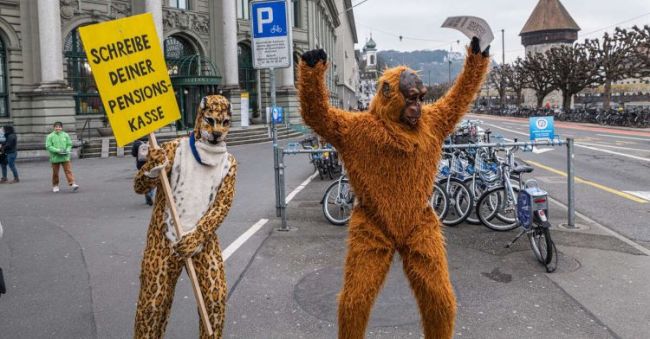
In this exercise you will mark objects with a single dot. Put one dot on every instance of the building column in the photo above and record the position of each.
(225, 49)
(50, 45)
(155, 8)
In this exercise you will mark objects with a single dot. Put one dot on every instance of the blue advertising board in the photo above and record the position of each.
(271, 30)
(542, 128)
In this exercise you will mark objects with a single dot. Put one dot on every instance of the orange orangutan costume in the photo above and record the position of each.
(392, 166)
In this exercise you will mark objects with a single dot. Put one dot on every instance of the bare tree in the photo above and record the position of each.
(571, 69)
(616, 59)
(536, 76)
(640, 37)
(497, 79)
(515, 79)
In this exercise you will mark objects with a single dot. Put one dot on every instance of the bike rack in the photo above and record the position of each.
(529, 145)
(280, 194)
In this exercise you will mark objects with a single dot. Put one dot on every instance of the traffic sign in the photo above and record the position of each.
(542, 128)
(271, 27)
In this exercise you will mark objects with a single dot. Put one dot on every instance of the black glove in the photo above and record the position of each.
(311, 58)
(475, 45)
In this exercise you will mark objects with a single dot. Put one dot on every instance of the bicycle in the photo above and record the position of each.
(532, 217)
(338, 201)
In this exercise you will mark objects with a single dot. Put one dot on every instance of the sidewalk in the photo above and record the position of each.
(599, 290)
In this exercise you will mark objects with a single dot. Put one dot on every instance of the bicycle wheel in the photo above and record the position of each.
(542, 245)
(338, 202)
(438, 202)
(496, 210)
(459, 201)
(476, 190)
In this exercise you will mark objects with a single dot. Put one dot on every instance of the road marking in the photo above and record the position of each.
(642, 195)
(591, 183)
(615, 153)
(242, 239)
(541, 150)
(617, 147)
(606, 229)
(235, 245)
(619, 137)
(300, 188)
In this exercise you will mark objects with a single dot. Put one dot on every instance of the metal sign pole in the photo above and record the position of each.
(276, 164)
(571, 184)
(283, 201)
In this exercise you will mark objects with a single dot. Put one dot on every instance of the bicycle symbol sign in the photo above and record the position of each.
(542, 128)
(270, 26)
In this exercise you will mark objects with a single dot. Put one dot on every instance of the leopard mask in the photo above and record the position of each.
(213, 119)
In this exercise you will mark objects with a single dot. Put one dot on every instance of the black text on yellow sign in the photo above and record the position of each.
(129, 69)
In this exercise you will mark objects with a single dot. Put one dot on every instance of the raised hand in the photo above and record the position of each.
(311, 58)
(475, 46)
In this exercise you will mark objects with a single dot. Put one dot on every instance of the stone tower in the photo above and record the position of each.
(550, 25)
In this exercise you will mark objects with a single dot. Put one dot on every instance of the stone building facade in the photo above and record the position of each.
(45, 76)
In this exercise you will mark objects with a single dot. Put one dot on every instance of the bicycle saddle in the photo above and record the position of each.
(522, 169)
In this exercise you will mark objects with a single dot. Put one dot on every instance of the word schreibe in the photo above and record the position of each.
(120, 49)
(146, 118)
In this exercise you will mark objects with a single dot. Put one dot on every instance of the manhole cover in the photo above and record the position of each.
(317, 295)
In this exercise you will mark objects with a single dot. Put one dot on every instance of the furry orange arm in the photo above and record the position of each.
(447, 112)
(330, 123)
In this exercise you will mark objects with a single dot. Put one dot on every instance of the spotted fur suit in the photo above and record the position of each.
(391, 167)
(163, 257)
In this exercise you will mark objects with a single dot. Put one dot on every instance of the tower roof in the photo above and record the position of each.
(549, 15)
(371, 44)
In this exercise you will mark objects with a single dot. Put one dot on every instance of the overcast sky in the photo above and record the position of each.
(418, 21)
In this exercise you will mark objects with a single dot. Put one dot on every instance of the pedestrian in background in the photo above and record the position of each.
(140, 150)
(59, 145)
(9, 153)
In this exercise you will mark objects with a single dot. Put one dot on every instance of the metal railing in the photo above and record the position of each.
(280, 193)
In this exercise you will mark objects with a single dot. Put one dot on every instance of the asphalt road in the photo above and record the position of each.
(72, 260)
(614, 165)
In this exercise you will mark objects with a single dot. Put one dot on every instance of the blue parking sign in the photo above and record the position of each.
(269, 19)
(271, 30)
(542, 128)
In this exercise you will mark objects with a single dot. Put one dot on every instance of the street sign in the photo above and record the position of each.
(278, 114)
(271, 27)
(542, 128)
(131, 76)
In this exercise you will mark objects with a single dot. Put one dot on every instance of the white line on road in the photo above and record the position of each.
(242, 239)
(606, 229)
(258, 225)
(301, 187)
(642, 195)
(615, 153)
(620, 137)
(616, 147)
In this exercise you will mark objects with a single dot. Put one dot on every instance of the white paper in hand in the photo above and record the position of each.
(471, 26)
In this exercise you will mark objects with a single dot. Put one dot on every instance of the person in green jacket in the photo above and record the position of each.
(59, 145)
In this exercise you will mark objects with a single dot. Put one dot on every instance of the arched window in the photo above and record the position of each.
(4, 91)
(177, 49)
(80, 77)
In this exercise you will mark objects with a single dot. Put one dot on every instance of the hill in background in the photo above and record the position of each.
(432, 65)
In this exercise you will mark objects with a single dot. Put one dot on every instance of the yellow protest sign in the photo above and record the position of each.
(131, 74)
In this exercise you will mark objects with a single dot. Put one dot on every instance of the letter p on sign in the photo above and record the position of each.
(261, 21)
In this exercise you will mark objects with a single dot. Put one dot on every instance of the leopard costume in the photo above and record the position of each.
(202, 177)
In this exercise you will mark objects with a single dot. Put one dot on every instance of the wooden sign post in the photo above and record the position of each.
(131, 74)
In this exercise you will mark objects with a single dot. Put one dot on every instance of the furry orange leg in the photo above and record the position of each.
(369, 257)
(212, 281)
(157, 284)
(425, 264)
